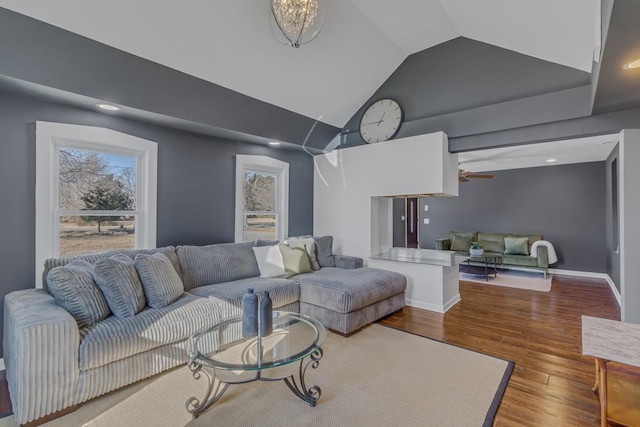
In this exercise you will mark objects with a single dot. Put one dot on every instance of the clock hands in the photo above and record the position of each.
(376, 123)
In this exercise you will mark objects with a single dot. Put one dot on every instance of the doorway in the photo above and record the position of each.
(405, 222)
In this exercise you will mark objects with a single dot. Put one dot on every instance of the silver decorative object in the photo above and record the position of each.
(296, 22)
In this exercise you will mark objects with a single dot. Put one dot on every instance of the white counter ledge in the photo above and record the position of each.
(432, 276)
(421, 256)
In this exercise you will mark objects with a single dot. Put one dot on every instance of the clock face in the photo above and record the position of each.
(381, 121)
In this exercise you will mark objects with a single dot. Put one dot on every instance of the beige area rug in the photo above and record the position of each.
(377, 377)
(513, 279)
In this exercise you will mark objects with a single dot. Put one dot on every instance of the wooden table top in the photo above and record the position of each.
(611, 340)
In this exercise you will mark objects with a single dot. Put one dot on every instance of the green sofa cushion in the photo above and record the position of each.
(492, 242)
(461, 240)
(516, 246)
(296, 260)
(531, 237)
(520, 260)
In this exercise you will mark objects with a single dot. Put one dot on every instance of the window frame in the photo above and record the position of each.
(269, 165)
(50, 137)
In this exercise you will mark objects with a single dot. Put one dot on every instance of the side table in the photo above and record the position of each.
(616, 348)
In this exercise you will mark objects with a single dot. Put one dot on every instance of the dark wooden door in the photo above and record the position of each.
(412, 222)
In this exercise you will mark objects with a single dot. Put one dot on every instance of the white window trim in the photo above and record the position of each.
(51, 136)
(270, 165)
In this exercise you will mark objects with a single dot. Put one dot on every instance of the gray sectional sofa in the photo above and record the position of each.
(54, 361)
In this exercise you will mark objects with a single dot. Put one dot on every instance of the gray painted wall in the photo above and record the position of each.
(438, 82)
(619, 89)
(195, 183)
(36, 52)
(613, 254)
(505, 98)
(565, 203)
(629, 225)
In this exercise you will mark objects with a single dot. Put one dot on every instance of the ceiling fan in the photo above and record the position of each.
(463, 176)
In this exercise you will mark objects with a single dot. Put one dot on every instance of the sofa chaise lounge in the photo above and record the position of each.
(54, 361)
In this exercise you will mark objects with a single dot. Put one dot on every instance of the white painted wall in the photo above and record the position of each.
(345, 181)
(629, 209)
(430, 287)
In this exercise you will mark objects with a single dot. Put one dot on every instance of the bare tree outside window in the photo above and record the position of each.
(97, 197)
(260, 214)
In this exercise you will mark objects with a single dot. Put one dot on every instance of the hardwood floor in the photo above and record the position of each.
(540, 332)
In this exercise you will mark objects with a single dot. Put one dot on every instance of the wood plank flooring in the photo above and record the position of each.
(540, 332)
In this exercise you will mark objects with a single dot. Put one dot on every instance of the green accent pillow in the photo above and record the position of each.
(461, 242)
(296, 260)
(516, 246)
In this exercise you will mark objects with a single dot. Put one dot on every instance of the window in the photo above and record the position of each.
(95, 191)
(262, 198)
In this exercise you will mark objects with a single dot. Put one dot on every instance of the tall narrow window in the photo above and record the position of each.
(95, 191)
(262, 193)
(260, 214)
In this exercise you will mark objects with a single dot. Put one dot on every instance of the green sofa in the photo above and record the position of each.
(460, 241)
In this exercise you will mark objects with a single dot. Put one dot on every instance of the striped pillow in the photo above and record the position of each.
(161, 283)
(73, 288)
(118, 279)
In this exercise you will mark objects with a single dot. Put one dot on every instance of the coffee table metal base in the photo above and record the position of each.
(486, 260)
(217, 387)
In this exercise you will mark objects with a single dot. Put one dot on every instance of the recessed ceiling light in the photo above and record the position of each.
(632, 64)
(274, 143)
(552, 160)
(108, 107)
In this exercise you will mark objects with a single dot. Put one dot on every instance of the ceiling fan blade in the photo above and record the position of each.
(474, 175)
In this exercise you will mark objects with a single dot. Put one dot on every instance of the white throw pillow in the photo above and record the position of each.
(270, 261)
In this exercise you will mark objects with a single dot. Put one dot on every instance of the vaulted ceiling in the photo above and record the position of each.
(229, 42)
(488, 73)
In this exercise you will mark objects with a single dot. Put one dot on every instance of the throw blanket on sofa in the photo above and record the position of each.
(553, 258)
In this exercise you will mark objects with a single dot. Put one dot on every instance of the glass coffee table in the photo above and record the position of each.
(487, 259)
(222, 355)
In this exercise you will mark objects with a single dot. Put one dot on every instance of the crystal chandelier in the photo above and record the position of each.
(298, 21)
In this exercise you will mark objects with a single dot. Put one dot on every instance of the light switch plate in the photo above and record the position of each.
(426, 220)
(426, 208)
(402, 217)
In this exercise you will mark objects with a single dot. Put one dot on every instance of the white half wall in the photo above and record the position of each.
(345, 181)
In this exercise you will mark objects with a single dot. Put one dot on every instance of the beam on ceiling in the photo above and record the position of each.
(602, 124)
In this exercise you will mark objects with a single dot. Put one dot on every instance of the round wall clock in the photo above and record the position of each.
(381, 121)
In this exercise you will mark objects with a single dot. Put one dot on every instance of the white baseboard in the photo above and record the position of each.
(434, 307)
(425, 305)
(577, 273)
(616, 292)
(603, 276)
(453, 301)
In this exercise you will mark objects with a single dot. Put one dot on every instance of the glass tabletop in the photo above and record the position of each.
(484, 256)
(222, 346)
